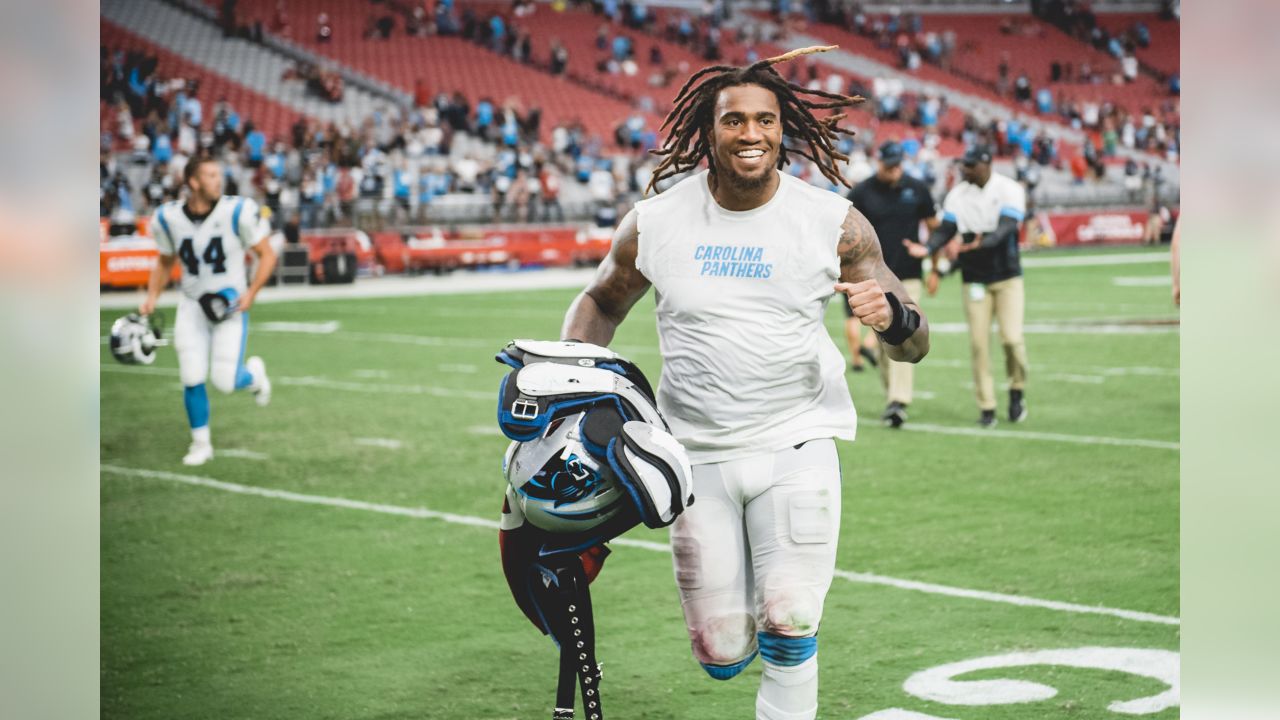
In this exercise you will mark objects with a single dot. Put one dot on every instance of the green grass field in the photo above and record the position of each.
(223, 605)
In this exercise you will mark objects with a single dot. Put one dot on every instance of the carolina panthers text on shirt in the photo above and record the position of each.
(733, 261)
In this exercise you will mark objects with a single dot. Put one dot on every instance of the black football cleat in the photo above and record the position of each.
(894, 415)
(988, 419)
(869, 356)
(1017, 406)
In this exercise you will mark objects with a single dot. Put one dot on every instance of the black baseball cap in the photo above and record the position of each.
(890, 153)
(976, 154)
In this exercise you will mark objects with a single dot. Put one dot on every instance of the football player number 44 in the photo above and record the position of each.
(939, 684)
(213, 256)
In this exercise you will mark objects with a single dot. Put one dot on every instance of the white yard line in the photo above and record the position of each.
(327, 327)
(485, 430)
(1031, 261)
(326, 384)
(420, 512)
(1072, 378)
(436, 391)
(388, 443)
(1032, 435)
(1143, 281)
(458, 283)
(370, 374)
(1074, 327)
(242, 454)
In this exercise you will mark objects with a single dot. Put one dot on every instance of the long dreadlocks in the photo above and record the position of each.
(689, 140)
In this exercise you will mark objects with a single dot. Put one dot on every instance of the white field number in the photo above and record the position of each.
(939, 684)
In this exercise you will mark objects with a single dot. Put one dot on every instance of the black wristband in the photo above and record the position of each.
(905, 322)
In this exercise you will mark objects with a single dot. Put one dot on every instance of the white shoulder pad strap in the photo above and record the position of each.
(545, 349)
(543, 379)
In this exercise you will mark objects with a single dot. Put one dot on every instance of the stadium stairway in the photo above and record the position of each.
(251, 65)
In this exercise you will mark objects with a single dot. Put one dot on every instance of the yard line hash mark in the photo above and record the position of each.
(424, 513)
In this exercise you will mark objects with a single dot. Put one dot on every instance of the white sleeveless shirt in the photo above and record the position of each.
(748, 366)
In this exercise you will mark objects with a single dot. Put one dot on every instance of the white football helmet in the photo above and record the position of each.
(559, 486)
(134, 339)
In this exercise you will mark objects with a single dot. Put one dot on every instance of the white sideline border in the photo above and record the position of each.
(425, 513)
(467, 282)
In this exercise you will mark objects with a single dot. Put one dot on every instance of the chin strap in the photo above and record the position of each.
(563, 596)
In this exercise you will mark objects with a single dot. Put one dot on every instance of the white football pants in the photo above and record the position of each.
(755, 553)
(208, 350)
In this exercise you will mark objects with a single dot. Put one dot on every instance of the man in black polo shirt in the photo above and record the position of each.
(895, 204)
(986, 210)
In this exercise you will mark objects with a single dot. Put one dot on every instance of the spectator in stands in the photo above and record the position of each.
(446, 22)
(484, 117)
(311, 199)
(524, 48)
(1022, 88)
(559, 57)
(549, 181)
(497, 33)
(466, 171)
(531, 125)
(226, 124)
(256, 143)
(192, 110)
(324, 31)
(1129, 67)
(415, 24)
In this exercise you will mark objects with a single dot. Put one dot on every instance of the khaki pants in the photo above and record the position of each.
(897, 376)
(1006, 300)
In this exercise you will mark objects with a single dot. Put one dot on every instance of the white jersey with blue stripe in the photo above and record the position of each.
(978, 209)
(211, 249)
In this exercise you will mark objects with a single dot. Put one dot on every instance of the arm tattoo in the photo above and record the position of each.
(861, 259)
(857, 240)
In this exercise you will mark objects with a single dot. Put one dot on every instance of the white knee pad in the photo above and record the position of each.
(724, 641)
(791, 612)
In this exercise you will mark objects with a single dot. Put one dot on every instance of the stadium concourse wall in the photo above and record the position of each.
(126, 261)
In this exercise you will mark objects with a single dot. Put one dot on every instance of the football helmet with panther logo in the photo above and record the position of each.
(558, 485)
(134, 338)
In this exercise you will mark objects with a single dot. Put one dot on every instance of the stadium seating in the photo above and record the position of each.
(860, 45)
(253, 65)
(1163, 54)
(446, 64)
(980, 45)
(273, 118)
(576, 30)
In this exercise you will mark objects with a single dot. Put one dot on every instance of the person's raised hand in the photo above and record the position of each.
(868, 302)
